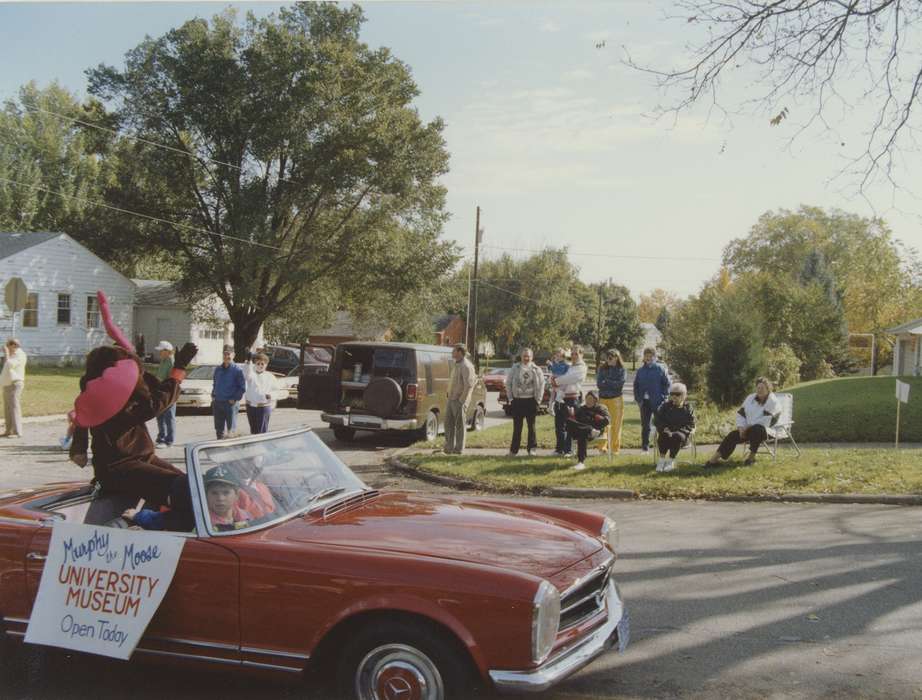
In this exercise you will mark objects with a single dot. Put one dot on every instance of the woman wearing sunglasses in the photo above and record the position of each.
(674, 421)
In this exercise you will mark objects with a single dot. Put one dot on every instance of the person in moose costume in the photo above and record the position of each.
(117, 397)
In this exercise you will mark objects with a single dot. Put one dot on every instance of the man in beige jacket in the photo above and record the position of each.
(12, 379)
(460, 388)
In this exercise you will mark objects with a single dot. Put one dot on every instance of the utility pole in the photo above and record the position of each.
(598, 331)
(472, 336)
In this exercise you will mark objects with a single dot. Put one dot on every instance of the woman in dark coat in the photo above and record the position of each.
(674, 421)
(117, 398)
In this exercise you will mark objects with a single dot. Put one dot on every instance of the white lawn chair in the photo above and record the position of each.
(782, 426)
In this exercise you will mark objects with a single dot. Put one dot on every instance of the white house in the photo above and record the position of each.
(61, 319)
(652, 338)
(907, 350)
(161, 313)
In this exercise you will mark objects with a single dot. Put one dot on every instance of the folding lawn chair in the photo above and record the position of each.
(782, 426)
(689, 444)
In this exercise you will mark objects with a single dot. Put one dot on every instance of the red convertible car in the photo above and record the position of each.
(402, 595)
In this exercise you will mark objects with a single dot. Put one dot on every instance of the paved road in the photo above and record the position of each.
(728, 600)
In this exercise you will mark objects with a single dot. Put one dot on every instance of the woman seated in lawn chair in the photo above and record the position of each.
(675, 422)
(754, 421)
(586, 422)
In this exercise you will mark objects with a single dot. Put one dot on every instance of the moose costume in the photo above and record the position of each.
(116, 399)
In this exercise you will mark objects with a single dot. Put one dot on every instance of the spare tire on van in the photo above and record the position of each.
(383, 396)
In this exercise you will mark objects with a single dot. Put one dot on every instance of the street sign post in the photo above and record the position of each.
(15, 295)
(902, 396)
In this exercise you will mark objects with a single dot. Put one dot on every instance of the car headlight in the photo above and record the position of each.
(609, 533)
(545, 621)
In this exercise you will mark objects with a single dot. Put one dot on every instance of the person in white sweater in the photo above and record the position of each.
(258, 395)
(12, 379)
(568, 387)
(754, 423)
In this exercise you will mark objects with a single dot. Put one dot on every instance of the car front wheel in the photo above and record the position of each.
(399, 660)
(479, 420)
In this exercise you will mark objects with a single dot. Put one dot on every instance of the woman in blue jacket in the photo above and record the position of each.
(651, 386)
(610, 380)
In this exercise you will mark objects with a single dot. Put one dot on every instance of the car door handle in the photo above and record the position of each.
(36, 556)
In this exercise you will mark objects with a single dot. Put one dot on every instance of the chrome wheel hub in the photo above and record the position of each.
(398, 672)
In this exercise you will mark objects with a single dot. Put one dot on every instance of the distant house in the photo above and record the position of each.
(449, 330)
(346, 328)
(61, 320)
(162, 313)
(907, 350)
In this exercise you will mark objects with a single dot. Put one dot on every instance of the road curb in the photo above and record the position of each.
(626, 494)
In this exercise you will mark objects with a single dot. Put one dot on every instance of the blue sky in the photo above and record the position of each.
(548, 134)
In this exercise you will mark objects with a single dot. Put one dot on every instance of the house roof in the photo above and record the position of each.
(442, 322)
(913, 327)
(16, 242)
(157, 293)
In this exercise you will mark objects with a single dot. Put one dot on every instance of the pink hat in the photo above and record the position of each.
(105, 396)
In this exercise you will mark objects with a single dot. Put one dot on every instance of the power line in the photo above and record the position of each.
(606, 255)
(140, 139)
(138, 214)
(507, 291)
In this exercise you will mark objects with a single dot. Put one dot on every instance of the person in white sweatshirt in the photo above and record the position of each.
(258, 395)
(754, 423)
(568, 386)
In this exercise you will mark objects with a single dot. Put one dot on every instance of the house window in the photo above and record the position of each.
(63, 309)
(30, 311)
(92, 312)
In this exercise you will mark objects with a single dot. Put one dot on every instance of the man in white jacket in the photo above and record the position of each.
(258, 395)
(569, 387)
(12, 379)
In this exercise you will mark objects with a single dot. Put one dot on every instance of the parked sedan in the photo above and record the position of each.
(495, 379)
(397, 594)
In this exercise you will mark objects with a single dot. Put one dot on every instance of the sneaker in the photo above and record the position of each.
(660, 463)
(512, 454)
(645, 450)
(158, 441)
(568, 454)
(531, 453)
(751, 459)
(161, 446)
(579, 466)
(669, 465)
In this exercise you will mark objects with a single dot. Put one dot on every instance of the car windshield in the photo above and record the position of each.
(265, 479)
(201, 372)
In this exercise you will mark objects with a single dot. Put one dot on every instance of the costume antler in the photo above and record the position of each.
(114, 331)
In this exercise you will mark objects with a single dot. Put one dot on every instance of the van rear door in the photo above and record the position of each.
(320, 392)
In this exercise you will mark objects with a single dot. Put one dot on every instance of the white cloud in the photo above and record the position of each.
(578, 75)
(548, 26)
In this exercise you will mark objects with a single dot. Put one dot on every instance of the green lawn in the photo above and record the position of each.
(711, 426)
(50, 390)
(856, 409)
(867, 471)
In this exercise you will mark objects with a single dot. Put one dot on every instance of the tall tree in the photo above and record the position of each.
(736, 354)
(300, 155)
(609, 320)
(806, 53)
(651, 305)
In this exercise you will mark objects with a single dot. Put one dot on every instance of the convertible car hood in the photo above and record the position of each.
(451, 528)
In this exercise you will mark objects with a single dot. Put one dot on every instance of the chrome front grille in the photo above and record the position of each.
(584, 598)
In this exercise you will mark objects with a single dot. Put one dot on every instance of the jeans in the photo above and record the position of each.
(755, 436)
(646, 420)
(258, 416)
(523, 410)
(582, 433)
(561, 414)
(455, 428)
(670, 443)
(166, 425)
(225, 416)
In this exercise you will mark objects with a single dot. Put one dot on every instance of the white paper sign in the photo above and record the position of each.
(101, 587)
(902, 391)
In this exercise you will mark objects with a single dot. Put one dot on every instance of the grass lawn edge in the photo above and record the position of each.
(468, 484)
